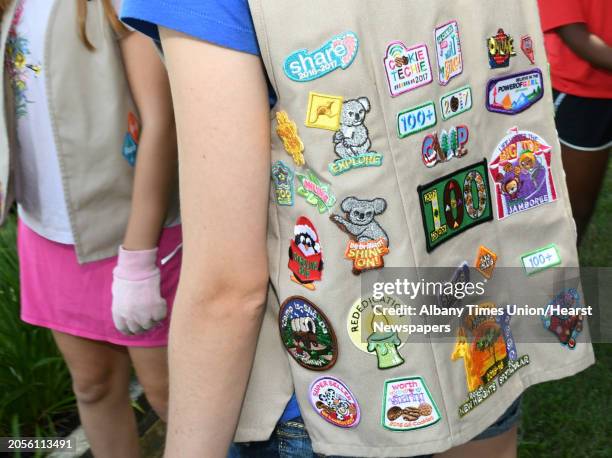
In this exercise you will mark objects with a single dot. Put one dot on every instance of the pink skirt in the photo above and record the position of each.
(60, 294)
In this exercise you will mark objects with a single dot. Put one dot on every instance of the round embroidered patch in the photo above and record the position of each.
(307, 334)
(334, 402)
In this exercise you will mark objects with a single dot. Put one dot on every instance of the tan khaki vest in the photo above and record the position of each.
(89, 102)
(310, 47)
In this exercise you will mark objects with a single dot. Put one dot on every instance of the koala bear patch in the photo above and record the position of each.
(361, 224)
(353, 138)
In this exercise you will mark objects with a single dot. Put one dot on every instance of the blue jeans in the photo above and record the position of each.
(290, 439)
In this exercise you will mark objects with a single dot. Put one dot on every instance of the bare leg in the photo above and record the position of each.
(151, 365)
(502, 446)
(100, 378)
(585, 171)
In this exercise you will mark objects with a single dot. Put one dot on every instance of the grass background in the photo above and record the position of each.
(566, 418)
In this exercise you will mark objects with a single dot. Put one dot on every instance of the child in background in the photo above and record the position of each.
(578, 41)
(85, 95)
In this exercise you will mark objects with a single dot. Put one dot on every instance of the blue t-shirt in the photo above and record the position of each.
(226, 23)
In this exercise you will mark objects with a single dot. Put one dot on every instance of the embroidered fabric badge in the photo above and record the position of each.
(305, 256)
(459, 194)
(448, 52)
(307, 334)
(339, 52)
(461, 275)
(372, 329)
(445, 147)
(541, 259)
(486, 355)
(520, 168)
(416, 119)
(133, 127)
(282, 179)
(514, 94)
(288, 133)
(527, 48)
(334, 402)
(564, 324)
(17, 67)
(130, 142)
(407, 68)
(485, 261)
(315, 192)
(369, 242)
(324, 111)
(456, 102)
(501, 49)
(352, 139)
(408, 405)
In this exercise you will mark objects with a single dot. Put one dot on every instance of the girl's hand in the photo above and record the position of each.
(137, 304)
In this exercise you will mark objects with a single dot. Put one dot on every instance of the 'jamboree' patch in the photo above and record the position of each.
(514, 94)
(407, 68)
(408, 405)
(339, 52)
(334, 402)
(307, 334)
(455, 203)
(520, 168)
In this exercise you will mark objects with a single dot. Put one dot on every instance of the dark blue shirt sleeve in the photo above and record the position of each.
(226, 23)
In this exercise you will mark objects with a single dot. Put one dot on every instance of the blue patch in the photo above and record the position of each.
(130, 148)
(339, 52)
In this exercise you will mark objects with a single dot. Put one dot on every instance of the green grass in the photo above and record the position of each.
(572, 417)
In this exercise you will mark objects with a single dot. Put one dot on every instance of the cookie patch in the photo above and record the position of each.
(315, 192)
(501, 49)
(448, 52)
(352, 139)
(333, 401)
(407, 68)
(527, 48)
(323, 111)
(514, 94)
(417, 119)
(565, 326)
(369, 242)
(339, 52)
(541, 259)
(443, 148)
(307, 334)
(408, 405)
(456, 102)
(370, 329)
(282, 180)
(485, 261)
(288, 133)
(455, 203)
(520, 168)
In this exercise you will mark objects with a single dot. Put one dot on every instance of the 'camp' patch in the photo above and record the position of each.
(455, 203)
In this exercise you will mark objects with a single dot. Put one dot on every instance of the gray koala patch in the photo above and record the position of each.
(360, 222)
(353, 138)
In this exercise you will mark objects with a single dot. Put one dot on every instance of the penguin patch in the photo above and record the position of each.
(307, 334)
(369, 242)
(305, 256)
(333, 402)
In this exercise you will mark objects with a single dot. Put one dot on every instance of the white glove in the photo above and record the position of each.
(137, 303)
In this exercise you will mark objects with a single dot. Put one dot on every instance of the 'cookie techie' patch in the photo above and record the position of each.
(407, 68)
(305, 255)
(307, 334)
(339, 52)
(455, 203)
(369, 242)
(334, 402)
(407, 405)
(501, 49)
(514, 94)
(448, 52)
(520, 168)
